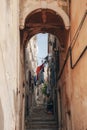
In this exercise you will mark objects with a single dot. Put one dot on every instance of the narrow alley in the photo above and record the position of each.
(50, 94)
(40, 120)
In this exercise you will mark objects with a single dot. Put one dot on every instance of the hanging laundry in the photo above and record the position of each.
(52, 73)
(41, 76)
(38, 70)
(35, 80)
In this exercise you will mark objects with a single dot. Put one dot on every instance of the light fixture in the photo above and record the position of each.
(44, 4)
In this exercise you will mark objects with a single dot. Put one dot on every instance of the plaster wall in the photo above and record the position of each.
(73, 82)
(78, 88)
(9, 61)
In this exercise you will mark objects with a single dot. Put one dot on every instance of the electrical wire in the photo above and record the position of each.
(69, 52)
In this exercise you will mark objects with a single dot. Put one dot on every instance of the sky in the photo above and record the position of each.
(42, 42)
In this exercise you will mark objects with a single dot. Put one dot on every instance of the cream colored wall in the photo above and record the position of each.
(9, 59)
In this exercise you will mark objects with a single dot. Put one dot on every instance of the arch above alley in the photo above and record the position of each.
(30, 6)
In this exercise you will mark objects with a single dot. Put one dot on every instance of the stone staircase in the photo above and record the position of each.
(40, 120)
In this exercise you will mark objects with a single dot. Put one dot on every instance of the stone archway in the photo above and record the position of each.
(45, 21)
(29, 6)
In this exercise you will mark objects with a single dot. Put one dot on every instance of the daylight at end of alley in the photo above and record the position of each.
(43, 65)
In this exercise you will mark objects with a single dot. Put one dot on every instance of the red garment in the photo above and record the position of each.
(39, 68)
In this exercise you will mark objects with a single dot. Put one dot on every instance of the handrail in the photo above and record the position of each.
(69, 51)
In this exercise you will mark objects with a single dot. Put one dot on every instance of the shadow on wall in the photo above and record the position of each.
(15, 100)
(15, 105)
(1, 117)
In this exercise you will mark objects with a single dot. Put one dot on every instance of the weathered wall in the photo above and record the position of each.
(9, 59)
(79, 73)
(73, 84)
(21, 91)
(26, 7)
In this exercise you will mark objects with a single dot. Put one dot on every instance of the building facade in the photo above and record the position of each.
(30, 73)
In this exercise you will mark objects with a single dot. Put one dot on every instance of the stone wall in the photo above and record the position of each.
(9, 59)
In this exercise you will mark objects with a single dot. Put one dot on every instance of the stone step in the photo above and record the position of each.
(43, 129)
(39, 119)
(43, 116)
(41, 124)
